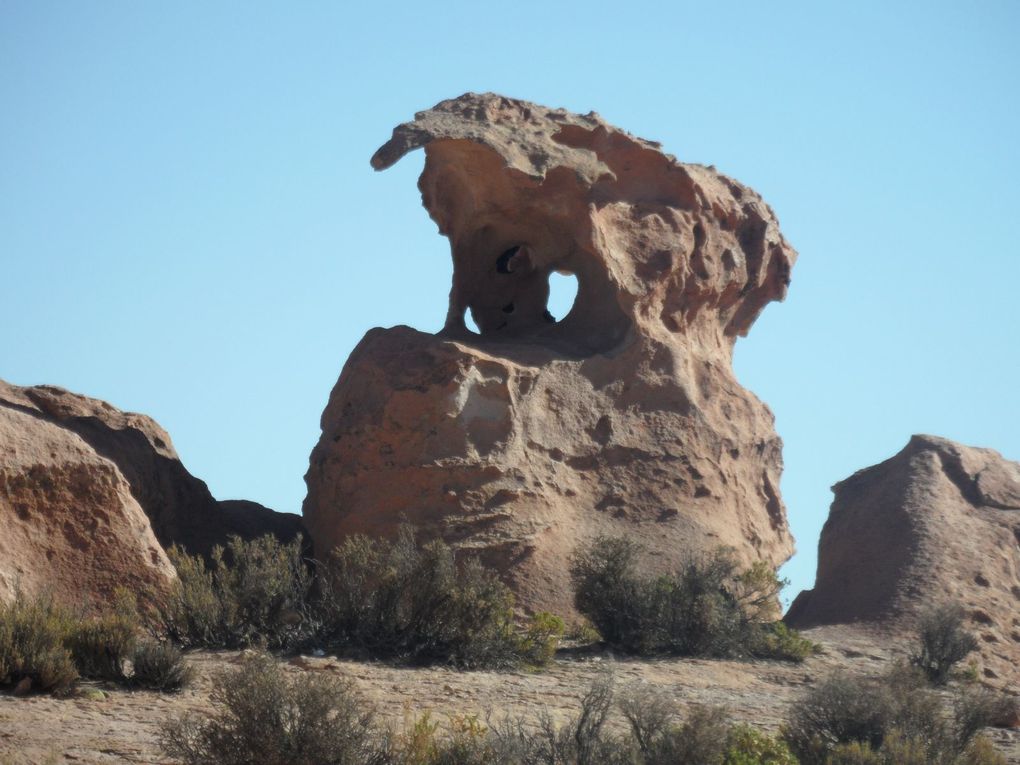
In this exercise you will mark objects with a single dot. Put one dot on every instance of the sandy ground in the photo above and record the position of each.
(122, 726)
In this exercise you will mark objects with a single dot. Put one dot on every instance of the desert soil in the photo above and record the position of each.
(121, 727)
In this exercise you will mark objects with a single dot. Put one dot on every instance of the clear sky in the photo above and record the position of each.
(189, 226)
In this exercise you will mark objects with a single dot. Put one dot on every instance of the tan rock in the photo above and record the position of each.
(624, 416)
(179, 505)
(937, 522)
(90, 496)
(70, 523)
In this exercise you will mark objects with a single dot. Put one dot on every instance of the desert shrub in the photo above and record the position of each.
(262, 716)
(102, 643)
(33, 633)
(942, 642)
(159, 667)
(897, 749)
(774, 640)
(704, 737)
(540, 640)
(746, 745)
(708, 607)
(254, 592)
(415, 602)
(896, 720)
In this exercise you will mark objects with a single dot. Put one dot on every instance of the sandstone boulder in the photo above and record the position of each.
(69, 522)
(78, 476)
(937, 522)
(532, 435)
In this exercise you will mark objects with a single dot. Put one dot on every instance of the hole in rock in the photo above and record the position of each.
(562, 294)
(469, 320)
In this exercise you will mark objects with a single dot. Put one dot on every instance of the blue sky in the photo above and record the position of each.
(189, 226)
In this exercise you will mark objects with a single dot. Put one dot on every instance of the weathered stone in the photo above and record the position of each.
(70, 524)
(90, 496)
(179, 505)
(534, 435)
(939, 522)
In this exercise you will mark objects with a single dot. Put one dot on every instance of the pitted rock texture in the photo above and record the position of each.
(116, 460)
(938, 522)
(533, 435)
(69, 522)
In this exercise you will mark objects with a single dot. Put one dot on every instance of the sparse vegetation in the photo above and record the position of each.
(33, 635)
(708, 607)
(254, 592)
(942, 642)
(893, 720)
(416, 602)
(159, 667)
(102, 643)
(265, 717)
(385, 599)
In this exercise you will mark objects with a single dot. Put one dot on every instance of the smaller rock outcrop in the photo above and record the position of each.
(69, 522)
(937, 522)
(90, 496)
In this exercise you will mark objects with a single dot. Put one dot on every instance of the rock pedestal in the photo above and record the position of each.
(536, 433)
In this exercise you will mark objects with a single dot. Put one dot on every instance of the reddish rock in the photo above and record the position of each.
(938, 522)
(622, 417)
(92, 495)
(70, 523)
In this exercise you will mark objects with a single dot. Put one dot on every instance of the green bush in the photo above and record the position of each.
(262, 716)
(401, 600)
(540, 640)
(101, 644)
(708, 607)
(254, 592)
(942, 642)
(893, 720)
(159, 667)
(33, 634)
(749, 746)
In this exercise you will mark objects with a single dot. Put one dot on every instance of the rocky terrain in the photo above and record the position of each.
(525, 439)
(537, 433)
(121, 726)
(90, 497)
(938, 522)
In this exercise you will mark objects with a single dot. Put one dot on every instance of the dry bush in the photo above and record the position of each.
(102, 643)
(33, 634)
(159, 667)
(255, 592)
(415, 602)
(942, 641)
(893, 720)
(708, 607)
(262, 716)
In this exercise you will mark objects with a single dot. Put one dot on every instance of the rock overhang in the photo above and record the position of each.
(650, 240)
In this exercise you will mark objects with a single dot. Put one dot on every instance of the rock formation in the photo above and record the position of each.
(938, 522)
(90, 496)
(535, 434)
(69, 521)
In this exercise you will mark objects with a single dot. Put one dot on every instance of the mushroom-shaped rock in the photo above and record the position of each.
(533, 435)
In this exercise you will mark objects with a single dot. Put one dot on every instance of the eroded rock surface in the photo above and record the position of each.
(90, 494)
(68, 521)
(535, 434)
(937, 522)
